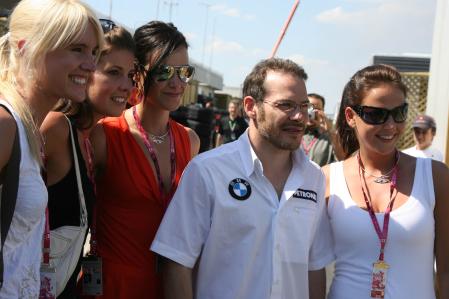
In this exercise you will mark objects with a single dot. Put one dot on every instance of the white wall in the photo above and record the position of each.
(438, 93)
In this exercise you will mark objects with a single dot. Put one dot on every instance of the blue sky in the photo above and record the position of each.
(331, 39)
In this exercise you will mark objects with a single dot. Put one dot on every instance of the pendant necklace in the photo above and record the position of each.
(383, 178)
(158, 139)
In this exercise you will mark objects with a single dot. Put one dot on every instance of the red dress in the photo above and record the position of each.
(129, 211)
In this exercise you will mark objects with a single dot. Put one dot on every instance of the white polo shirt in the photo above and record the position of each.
(252, 244)
(429, 152)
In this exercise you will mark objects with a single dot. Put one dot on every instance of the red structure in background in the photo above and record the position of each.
(284, 29)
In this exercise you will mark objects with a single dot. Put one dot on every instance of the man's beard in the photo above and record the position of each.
(272, 134)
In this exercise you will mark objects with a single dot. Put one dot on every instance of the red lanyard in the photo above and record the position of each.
(153, 156)
(381, 234)
(91, 175)
(46, 249)
(46, 237)
(307, 147)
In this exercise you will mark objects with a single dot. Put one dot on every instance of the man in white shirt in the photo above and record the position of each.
(251, 213)
(424, 129)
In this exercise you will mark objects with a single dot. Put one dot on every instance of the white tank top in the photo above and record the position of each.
(409, 248)
(22, 251)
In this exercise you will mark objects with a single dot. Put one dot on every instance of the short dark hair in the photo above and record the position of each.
(118, 38)
(317, 96)
(355, 91)
(253, 85)
(158, 38)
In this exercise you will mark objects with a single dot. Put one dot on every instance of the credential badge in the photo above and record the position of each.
(239, 189)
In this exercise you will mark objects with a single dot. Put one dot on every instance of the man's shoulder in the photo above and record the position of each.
(305, 162)
(216, 155)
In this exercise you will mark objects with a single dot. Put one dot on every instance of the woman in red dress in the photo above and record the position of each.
(139, 159)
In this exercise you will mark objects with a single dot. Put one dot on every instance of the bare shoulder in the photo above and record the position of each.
(55, 126)
(8, 129)
(326, 171)
(55, 130)
(440, 174)
(194, 142)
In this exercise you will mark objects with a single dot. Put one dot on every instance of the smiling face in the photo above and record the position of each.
(423, 137)
(167, 95)
(66, 71)
(111, 83)
(280, 129)
(381, 138)
(233, 110)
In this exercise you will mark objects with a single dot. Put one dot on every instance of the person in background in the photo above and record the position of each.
(388, 210)
(424, 130)
(251, 213)
(107, 92)
(48, 54)
(232, 126)
(317, 143)
(139, 158)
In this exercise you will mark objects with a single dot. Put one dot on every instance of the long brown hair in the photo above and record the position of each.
(353, 93)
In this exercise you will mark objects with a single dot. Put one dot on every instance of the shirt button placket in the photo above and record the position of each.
(276, 285)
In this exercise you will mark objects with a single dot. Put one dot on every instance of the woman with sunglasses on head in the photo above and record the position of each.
(388, 210)
(48, 53)
(107, 92)
(139, 158)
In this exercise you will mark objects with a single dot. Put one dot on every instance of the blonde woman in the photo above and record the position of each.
(48, 53)
(107, 91)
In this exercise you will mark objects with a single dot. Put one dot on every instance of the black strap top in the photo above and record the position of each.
(63, 200)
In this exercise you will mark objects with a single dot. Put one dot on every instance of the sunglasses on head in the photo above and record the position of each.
(166, 72)
(378, 116)
(107, 25)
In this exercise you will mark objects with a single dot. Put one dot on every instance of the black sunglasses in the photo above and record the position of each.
(378, 116)
(166, 72)
(107, 25)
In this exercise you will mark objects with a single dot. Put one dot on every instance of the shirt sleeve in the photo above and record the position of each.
(186, 223)
(321, 252)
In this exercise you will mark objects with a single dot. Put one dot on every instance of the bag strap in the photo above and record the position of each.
(9, 193)
(83, 210)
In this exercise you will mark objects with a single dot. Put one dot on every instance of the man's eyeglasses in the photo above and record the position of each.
(290, 107)
(107, 25)
(166, 72)
(378, 116)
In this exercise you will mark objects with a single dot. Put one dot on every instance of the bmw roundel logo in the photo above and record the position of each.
(239, 189)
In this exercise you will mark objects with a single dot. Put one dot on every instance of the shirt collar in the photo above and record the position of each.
(251, 162)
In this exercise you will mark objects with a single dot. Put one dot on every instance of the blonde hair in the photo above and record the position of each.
(43, 26)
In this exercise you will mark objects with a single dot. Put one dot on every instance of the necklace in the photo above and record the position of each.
(158, 139)
(163, 195)
(383, 178)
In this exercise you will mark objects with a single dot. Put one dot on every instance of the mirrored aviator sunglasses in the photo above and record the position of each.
(378, 116)
(107, 25)
(166, 72)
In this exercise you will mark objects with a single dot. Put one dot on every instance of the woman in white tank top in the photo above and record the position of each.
(48, 54)
(388, 211)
